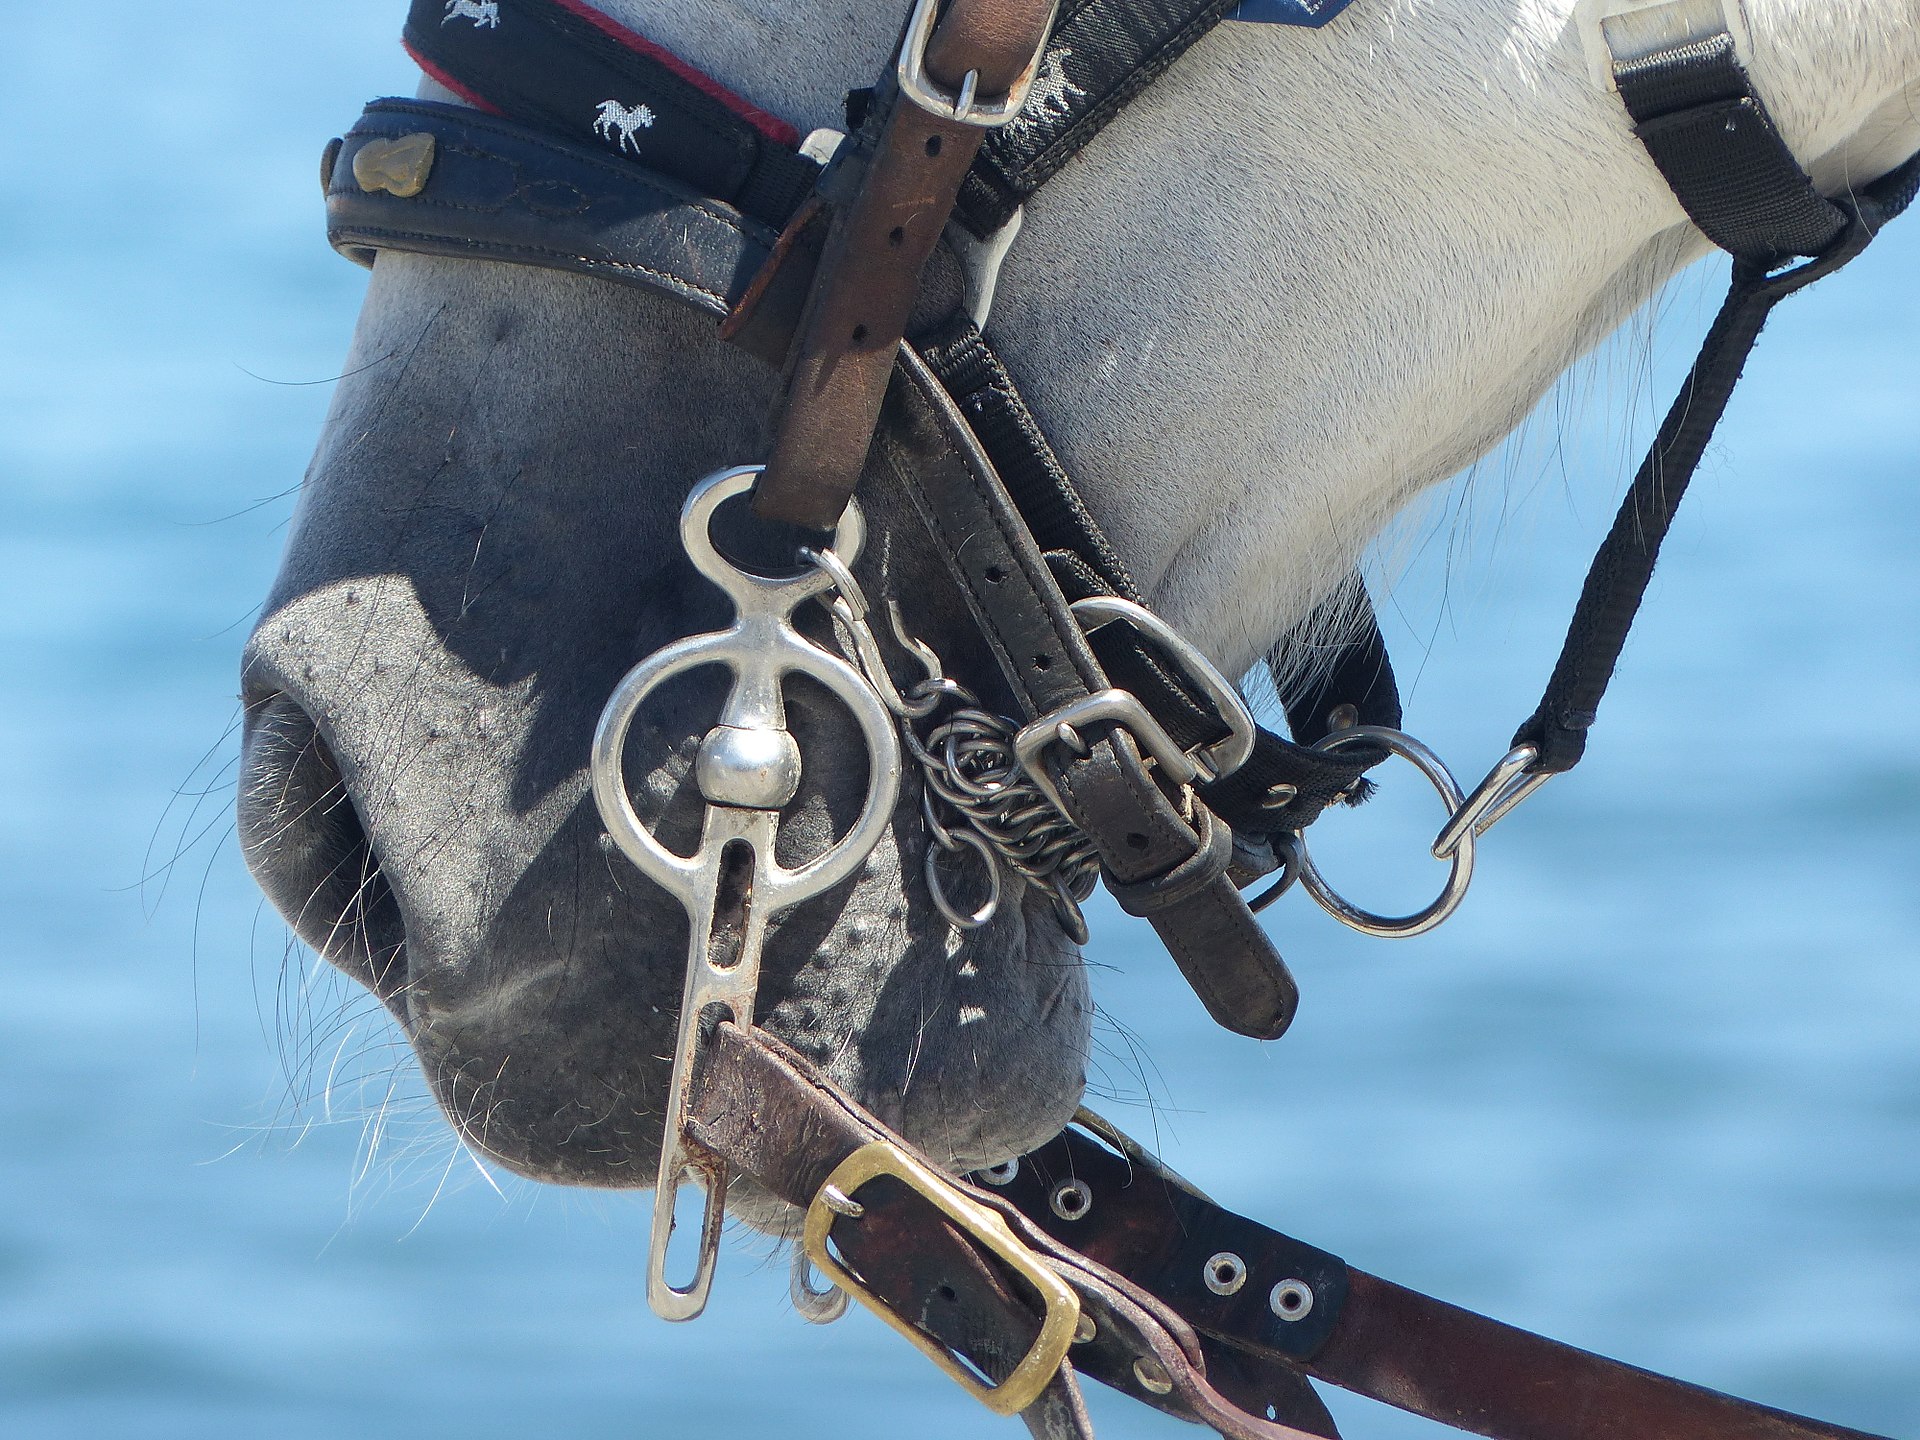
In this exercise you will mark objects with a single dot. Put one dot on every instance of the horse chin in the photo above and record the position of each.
(535, 974)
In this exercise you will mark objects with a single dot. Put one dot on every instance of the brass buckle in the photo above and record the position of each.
(1029, 1378)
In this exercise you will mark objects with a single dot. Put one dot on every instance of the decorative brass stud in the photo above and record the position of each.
(400, 167)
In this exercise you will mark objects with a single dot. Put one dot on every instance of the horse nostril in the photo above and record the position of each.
(305, 843)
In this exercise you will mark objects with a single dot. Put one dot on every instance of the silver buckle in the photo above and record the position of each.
(1117, 707)
(1123, 708)
(1222, 757)
(965, 106)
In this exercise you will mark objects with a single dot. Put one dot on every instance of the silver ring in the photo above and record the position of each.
(816, 1306)
(967, 836)
(1460, 863)
(1002, 1174)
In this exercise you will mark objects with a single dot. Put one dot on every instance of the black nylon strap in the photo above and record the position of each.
(1317, 676)
(562, 65)
(1695, 110)
(1102, 54)
(1712, 138)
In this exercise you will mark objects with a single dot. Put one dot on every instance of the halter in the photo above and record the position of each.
(1132, 759)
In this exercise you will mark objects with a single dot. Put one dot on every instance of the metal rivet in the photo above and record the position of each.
(1225, 1273)
(1085, 1330)
(1343, 717)
(1001, 1174)
(841, 1203)
(1292, 1299)
(1071, 1199)
(1152, 1376)
(1278, 797)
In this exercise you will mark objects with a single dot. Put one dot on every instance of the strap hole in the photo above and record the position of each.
(995, 575)
(859, 333)
(1041, 662)
(933, 145)
(947, 1293)
(1136, 841)
(897, 235)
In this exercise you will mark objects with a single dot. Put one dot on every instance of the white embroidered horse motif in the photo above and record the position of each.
(616, 118)
(485, 14)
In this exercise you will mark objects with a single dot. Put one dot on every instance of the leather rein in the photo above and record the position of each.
(862, 266)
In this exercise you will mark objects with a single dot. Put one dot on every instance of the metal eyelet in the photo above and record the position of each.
(1225, 1273)
(1152, 1376)
(1071, 1199)
(1291, 1300)
(1002, 1174)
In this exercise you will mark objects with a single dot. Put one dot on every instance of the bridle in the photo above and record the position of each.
(863, 266)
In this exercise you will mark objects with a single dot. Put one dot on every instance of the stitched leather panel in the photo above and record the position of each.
(498, 190)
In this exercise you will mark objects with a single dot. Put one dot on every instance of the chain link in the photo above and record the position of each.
(975, 789)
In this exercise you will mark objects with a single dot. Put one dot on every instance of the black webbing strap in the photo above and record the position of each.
(1102, 54)
(562, 65)
(1695, 110)
(1712, 138)
(1284, 786)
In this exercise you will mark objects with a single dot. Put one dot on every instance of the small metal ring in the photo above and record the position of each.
(816, 1306)
(1286, 849)
(1291, 1300)
(970, 838)
(1459, 874)
(1225, 1273)
(1071, 1199)
(842, 578)
(1005, 1173)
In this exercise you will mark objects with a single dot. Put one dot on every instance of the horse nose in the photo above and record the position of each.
(305, 841)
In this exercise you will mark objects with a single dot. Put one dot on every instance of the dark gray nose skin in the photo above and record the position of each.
(486, 543)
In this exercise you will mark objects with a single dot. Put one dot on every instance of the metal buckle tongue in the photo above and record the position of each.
(748, 769)
(1027, 1379)
(1121, 707)
(964, 107)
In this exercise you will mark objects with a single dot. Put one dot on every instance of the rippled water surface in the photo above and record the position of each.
(1656, 1091)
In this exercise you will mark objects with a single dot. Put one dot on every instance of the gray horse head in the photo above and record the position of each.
(1251, 339)
(476, 562)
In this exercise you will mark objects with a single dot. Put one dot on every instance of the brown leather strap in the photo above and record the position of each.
(1362, 1333)
(898, 199)
(1164, 858)
(1134, 1257)
(765, 1111)
(1476, 1374)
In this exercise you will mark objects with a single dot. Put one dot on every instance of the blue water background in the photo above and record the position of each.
(1655, 1091)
